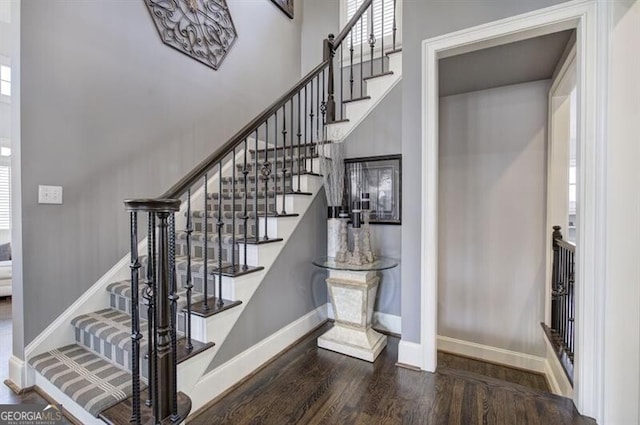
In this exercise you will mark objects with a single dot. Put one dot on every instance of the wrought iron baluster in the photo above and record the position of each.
(233, 210)
(275, 165)
(245, 217)
(372, 37)
(323, 109)
(173, 321)
(266, 172)
(362, 55)
(189, 285)
(255, 193)
(382, 39)
(284, 159)
(395, 27)
(299, 134)
(310, 149)
(219, 226)
(148, 296)
(135, 322)
(306, 135)
(351, 80)
(341, 82)
(205, 242)
(291, 145)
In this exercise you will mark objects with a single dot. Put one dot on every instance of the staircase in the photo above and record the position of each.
(137, 349)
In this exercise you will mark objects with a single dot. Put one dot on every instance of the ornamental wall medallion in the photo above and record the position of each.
(286, 6)
(202, 29)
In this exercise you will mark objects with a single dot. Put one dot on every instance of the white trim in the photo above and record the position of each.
(589, 19)
(231, 372)
(556, 376)
(18, 371)
(492, 354)
(410, 353)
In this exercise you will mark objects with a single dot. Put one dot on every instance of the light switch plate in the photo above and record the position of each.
(49, 194)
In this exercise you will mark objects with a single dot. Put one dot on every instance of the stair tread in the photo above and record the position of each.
(110, 325)
(356, 99)
(92, 382)
(270, 194)
(123, 288)
(239, 214)
(382, 74)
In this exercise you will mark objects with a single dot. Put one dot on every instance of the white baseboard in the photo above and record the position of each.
(381, 321)
(554, 371)
(233, 371)
(411, 354)
(492, 354)
(18, 373)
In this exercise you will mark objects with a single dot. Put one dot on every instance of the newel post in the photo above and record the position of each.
(328, 54)
(555, 273)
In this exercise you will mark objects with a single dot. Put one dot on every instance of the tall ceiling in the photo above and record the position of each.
(514, 63)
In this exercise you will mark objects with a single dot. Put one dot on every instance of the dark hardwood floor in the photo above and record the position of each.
(532, 380)
(308, 385)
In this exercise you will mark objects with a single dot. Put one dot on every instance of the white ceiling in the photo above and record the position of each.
(514, 63)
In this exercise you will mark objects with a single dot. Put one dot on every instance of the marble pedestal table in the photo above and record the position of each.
(352, 292)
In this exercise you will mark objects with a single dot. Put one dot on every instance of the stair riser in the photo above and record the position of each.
(228, 228)
(227, 206)
(252, 188)
(304, 152)
(197, 251)
(123, 304)
(197, 280)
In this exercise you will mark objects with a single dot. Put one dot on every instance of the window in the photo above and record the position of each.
(382, 22)
(5, 197)
(5, 80)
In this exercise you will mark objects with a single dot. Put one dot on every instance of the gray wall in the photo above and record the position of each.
(292, 287)
(381, 134)
(319, 19)
(421, 20)
(492, 205)
(109, 112)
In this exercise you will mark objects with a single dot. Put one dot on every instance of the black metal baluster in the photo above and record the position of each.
(219, 226)
(284, 158)
(351, 80)
(299, 139)
(382, 40)
(395, 27)
(149, 301)
(275, 165)
(372, 37)
(189, 285)
(341, 83)
(245, 217)
(233, 211)
(291, 145)
(205, 250)
(135, 322)
(362, 55)
(173, 321)
(323, 110)
(266, 172)
(255, 193)
(310, 149)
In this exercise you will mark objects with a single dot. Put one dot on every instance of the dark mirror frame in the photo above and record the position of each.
(367, 165)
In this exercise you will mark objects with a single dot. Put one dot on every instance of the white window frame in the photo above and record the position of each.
(366, 51)
(4, 61)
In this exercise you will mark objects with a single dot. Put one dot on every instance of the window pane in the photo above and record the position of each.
(5, 73)
(5, 88)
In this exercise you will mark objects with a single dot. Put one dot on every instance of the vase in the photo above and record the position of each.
(333, 231)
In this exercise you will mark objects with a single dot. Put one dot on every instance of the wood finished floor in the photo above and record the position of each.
(308, 385)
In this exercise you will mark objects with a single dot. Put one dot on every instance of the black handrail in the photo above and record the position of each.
(192, 177)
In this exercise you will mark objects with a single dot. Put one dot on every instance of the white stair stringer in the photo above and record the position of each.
(377, 88)
(217, 327)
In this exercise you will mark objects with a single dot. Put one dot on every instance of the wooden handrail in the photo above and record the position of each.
(194, 175)
(352, 23)
(565, 244)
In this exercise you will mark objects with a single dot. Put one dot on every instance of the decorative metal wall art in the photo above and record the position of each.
(202, 29)
(286, 6)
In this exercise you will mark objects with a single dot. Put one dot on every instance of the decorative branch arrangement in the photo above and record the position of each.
(332, 169)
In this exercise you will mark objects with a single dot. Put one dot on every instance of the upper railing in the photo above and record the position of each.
(561, 331)
(228, 200)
